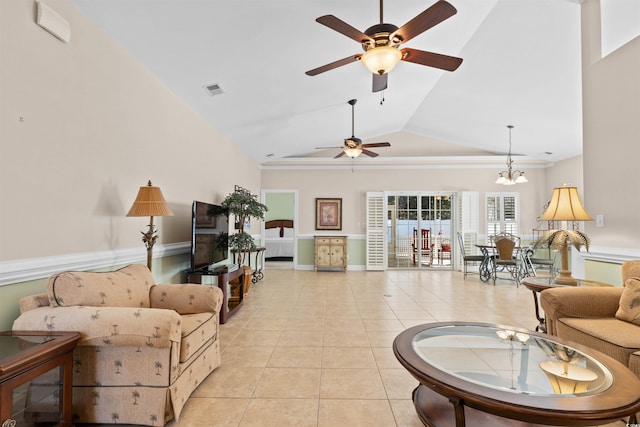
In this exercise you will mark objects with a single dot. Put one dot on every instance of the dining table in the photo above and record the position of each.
(485, 271)
(489, 253)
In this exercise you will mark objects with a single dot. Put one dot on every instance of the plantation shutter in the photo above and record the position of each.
(468, 223)
(376, 246)
(502, 213)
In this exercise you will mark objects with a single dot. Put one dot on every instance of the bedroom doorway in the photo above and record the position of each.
(279, 231)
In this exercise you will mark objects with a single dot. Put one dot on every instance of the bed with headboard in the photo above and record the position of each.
(278, 238)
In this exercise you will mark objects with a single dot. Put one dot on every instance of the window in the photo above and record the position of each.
(503, 213)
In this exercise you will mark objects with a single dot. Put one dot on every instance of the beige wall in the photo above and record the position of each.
(567, 171)
(353, 186)
(611, 117)
(82, 127)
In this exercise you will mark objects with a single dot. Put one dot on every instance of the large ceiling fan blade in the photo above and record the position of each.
(326, 148)
(379, 82)
(430, 59)
(376, 144)
(342, 153)
(332, 65)
(369, 153)
(429, 18)
(343, 28)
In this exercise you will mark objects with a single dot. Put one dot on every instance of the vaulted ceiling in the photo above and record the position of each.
(521, 67)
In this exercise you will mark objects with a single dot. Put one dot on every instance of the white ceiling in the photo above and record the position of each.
(521, 67)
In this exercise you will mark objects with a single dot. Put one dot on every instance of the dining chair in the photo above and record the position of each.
(424, 243)
(506, 235)
(508, 257)
(444, 253)
(466, 259)
(533, 263)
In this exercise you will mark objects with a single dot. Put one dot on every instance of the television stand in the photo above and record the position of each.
(231, 283)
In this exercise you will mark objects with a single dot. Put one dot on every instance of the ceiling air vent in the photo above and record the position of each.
(214, 89)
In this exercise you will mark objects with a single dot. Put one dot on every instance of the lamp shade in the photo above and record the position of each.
(565, 205)
(381, 59)
(150, 202)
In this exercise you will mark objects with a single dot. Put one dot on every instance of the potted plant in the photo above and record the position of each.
(243, 206)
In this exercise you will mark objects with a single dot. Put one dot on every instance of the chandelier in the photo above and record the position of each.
(510, 176)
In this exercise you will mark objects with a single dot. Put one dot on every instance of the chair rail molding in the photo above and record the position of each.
(609, 254)
(24, 270)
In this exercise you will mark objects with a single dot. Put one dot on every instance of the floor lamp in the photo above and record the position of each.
(150, 202)
(565, 205)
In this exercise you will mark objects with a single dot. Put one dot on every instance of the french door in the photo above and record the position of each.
(420, 230)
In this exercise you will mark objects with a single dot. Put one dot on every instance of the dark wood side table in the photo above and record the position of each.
(230, 282)
(26, 356)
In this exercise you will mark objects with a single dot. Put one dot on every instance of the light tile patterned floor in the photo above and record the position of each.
(314, 349)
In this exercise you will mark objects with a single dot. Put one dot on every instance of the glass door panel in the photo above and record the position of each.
(419, 230)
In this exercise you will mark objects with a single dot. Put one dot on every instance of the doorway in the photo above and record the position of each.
(420, 230)
(281, 245)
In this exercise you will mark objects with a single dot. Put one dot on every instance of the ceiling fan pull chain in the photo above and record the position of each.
(381, 97)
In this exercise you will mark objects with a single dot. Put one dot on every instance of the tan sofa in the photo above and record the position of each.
(600, 318)
(144, 348)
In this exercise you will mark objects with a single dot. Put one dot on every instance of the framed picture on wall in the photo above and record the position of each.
(329, 214)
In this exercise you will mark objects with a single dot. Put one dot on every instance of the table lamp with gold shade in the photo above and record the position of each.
(150, 202)
(565, 205)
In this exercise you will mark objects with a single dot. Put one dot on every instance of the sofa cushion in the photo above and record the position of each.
(127, 287)
(629, 309)
(197, 330)
(611, 336)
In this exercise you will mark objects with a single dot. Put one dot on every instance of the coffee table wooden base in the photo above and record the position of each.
(435, 410)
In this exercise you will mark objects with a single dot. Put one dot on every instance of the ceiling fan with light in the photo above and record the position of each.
(381, 42)
(353, 146)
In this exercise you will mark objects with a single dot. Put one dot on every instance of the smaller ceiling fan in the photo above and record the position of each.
(353, 146)
(381, 44)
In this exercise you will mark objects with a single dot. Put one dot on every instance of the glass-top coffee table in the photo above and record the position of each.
(484, 374)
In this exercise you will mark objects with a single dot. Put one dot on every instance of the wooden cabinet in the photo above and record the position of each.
(330, 253)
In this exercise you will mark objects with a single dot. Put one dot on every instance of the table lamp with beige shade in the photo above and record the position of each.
(150, 202)
(565, 206)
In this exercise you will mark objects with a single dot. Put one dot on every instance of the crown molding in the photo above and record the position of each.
(411, 162)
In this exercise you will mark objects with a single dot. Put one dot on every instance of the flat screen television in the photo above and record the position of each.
(210, 235)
